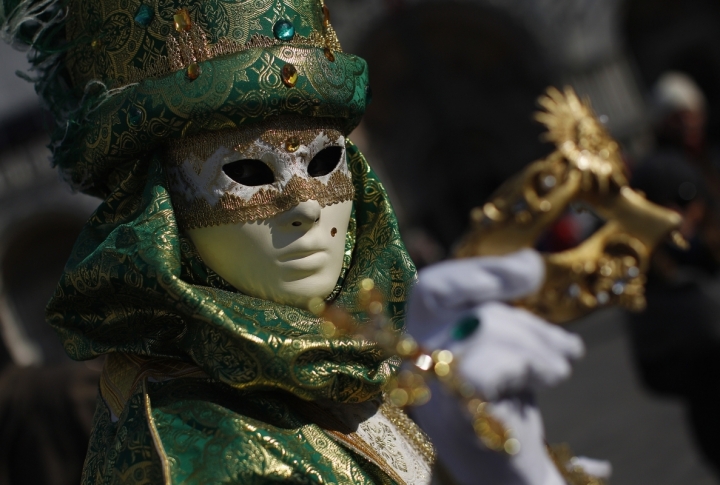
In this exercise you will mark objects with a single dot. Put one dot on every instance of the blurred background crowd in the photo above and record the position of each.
(454, 88)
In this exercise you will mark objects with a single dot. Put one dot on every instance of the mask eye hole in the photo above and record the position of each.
(249, 172)
(325, 161)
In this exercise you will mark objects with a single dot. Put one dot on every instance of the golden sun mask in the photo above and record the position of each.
(586, 168)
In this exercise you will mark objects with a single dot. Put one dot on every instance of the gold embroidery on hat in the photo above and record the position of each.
(187, 47)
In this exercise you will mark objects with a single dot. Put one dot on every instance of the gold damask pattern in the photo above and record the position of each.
(125, 450)
(127, 97)
(411, 430)
(232, 91)
(134, 286)
(266, 203)
(216, 435)
(110, 46)
(190, 47)
(382, 449)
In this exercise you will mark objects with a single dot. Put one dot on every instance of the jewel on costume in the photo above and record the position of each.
(292, 144)
(193, 71)
(289, 75)
(465, 327)
(284, 30)
(182, 20)
(144, 15)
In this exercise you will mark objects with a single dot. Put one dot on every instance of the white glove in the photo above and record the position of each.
(469, 461)
(595, 468)
(512, 350)
(511, 353)
(447, 290)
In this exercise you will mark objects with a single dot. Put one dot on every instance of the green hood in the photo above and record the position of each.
(134, 284)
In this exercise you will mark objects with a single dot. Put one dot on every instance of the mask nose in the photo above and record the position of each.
(303, 215)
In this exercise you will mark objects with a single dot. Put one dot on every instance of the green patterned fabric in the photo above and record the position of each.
(107, 73)
(214, 434)
(134, 284)
(123, 78)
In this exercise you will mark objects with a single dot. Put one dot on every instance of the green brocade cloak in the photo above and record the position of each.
(206, 385)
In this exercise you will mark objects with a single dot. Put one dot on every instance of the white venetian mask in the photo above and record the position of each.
(267, 207)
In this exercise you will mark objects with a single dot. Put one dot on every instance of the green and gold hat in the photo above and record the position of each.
(122, 77)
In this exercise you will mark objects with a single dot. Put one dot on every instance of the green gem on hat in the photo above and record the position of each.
(144, 15)
(284, 30)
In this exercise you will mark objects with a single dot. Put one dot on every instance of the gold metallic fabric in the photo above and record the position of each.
(132, 374)
(110, 45)
(135, 285)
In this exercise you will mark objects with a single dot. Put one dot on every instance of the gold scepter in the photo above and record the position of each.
(586, 168)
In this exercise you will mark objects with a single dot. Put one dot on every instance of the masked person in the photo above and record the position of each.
(676, 339)
(215, 133)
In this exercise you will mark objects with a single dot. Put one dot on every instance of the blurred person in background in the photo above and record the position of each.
(677, 339)
(46, 399)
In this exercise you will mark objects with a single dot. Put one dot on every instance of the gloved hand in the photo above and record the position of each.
(512, 350)
(469, 461)
(508, 355)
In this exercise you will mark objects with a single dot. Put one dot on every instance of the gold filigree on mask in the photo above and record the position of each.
(282, 137)
(275, 133)
(586, 168)
(193, 211)
(264, 204)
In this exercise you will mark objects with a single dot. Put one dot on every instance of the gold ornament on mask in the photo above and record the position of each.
(585, 169)
(266, 203)
(193, 210)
